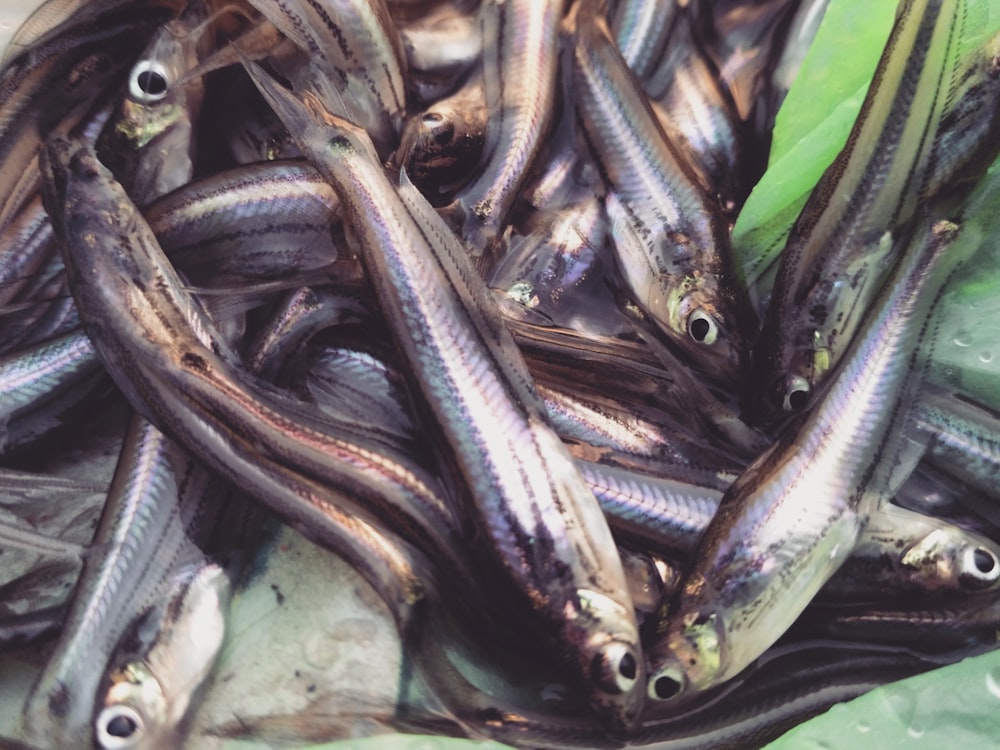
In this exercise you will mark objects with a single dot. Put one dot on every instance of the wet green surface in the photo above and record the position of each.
(951, 707)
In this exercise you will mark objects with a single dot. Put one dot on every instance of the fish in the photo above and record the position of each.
(792, 517)
(354, 58)
(148, 142)
(962, 438)
(442, 46)
(182, 376)
(156, 673)
(671, 245)
(519, 78)
(259, 222)
(742, 42)
(858, 217)
(438, 144)
(696, 114)
(533, 509)
(642, 30)
(141, 541)
(35, 377)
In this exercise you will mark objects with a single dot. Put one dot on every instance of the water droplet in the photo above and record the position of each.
(993, 682)
(916, 731)
(963, 339)
(986, 357)
(903, 703)
(863, 727)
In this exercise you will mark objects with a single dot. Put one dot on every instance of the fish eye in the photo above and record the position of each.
(796, 393)
(148, 82)
(118, 728)
(980, 568)
(665, 684)
(615, 669)
(702, 327)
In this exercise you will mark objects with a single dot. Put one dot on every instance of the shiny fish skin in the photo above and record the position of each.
(519, 76)
(525, 492)
(790, 520)
(141, 540)
(441, 47)
(257, 221)
(149, 689)
(671, 514)
(849, 233)
(148, 142)
(695, 112)
(970, 623)
(964, 439)
(641, 31)
(180, 376)
(354, 47)
(30, 379)
(671, 244)
(25, 246)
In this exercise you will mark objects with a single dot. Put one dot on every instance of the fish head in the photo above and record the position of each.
(607, 645)
(693, 660)
(148, 143)
(146, 699)
(134, 712)
(786, 376)
(951, 554)
(693, 314)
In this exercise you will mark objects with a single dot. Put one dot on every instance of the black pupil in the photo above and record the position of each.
(122, 726)
(626, 667)
(797, 398)
(152, 83)
(983, 560)
(699, 329)
(666, 687)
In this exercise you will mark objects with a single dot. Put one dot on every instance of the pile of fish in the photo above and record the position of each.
(449, 287)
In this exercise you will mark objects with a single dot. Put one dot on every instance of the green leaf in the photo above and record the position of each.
(955, 706)
(812, 126)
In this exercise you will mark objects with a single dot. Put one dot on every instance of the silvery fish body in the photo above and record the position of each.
(442, 46)
(963, 438)
(860, 214)
(519, 76)
(148, 142)
(791, 519)
(155, 675)
(354, 58)
(672, 248)
(524, 492)
(140, 542)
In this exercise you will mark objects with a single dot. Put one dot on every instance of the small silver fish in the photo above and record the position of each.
(152, 682)
(791, 519)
